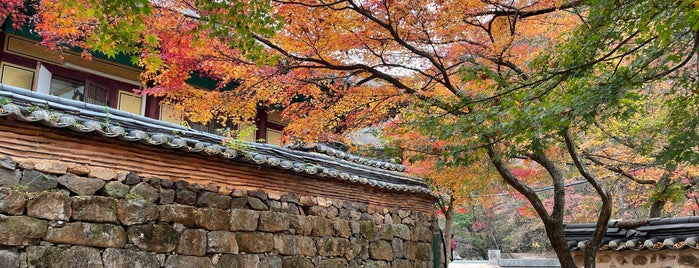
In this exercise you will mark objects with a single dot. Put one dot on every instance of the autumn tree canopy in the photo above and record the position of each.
(515, 84)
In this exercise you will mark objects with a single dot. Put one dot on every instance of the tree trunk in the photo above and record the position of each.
(656, 208)
(554, 232)
(657, 204)
(553, 223)
(448, 222)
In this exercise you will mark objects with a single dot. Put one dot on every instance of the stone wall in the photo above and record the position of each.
(63, 214)
(666, 258)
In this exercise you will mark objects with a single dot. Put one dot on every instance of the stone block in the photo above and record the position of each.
(178, 213)
(397, 246)
(145, 191)
(273, 222)
(75, 256)
(257, 204)
(333, 246)
(132, 178)
(9, 177)
(401, 231)
(290, 198)
(385, 232)
(167, 196)
(79, 169)
(254, 242)
(26, 163)
(178, 261)
(249, 260)
(93, 209)
(213, 200)
(275, 206)
(300, 224)
(115, 189)
(422, 234)
(332, 263)
(322, 226)
(221, 242)
(290, 208)
(274, 195)
(360, 248)
(239, 202)
(316, 211)
(259, 194)
(12, 202)
(297, 262)
(120, 258)
(424, 251)
(50, 206)
(21, 230)
(167, 184)
(239, 193)
(192, 242)
(102, 235)
(244, 220)
(403, 264)
(183, 185)
(225, 190)
(213, 219)
(50, 166)
(9, 258)
(36, 181)
(80, 185)
(271, 261)
(294, 245)
(155, 182)
(185, 197)
(103, 173)
(7, 163)
(379, 264)
(154, 237)
(377, 219)
(132, 211)
(381, 250)
(410, 250)
(308, 201)
(342, 228)
(368, 230)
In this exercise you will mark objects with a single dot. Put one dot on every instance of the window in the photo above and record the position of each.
(274, 137)
(67, 88)
(276, 117)
(96, 93)
(130, 102)
(17, 76)
(250, 131)
(170, 114)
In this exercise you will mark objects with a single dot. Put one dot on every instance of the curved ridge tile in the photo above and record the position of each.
(309, 158)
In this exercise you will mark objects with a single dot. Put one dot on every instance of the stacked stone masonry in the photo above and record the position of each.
(55, 214)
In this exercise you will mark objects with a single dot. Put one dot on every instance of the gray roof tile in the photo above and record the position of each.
(312, 159)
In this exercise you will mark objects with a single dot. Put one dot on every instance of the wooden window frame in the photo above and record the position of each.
(143, 101)
(33, 71)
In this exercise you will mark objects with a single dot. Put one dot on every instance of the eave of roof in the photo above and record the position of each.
(310, 159)
(647, 234)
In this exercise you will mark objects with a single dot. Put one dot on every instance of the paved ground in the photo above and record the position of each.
(459, 264)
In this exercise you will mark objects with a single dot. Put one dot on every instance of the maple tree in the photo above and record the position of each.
(514, 84)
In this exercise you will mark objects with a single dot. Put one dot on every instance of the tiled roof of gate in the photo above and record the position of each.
(311, 159)
(648, 234)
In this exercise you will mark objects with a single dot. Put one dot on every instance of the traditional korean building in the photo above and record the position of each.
(665, 242)
(103, 81)
(85, 186)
